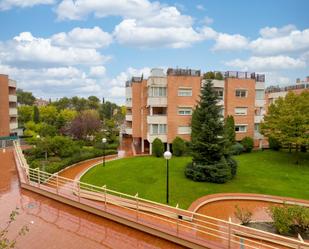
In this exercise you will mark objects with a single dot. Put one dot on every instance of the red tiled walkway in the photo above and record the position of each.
(56, 225)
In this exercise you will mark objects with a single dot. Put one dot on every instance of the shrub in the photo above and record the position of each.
(274, 143)
(247, 142)
(179, 146)
(233, 166)
(237, 149)
(281, 218)
(244, 215)
(157, 147)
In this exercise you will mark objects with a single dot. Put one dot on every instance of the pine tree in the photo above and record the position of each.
(229, 130)
(36, 114)
(208, 141)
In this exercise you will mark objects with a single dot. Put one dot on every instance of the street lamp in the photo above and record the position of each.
(167, 155)
(104, 142)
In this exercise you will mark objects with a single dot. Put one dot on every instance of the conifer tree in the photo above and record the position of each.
(36, 114)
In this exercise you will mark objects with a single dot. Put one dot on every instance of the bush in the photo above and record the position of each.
(244, 215)
(274, 143)
(179, 146)
(237, 149)
(247, 142)
(157, 147)
(233, 165)
(290, 219)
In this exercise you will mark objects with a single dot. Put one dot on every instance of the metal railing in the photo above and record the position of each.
(194, 227)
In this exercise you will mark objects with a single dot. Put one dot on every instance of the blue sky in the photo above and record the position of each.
(65, 48)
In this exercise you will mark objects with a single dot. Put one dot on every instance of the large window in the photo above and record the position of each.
(157, 92)
(182, 130)
(185, 92)
(241, 93)
(184, 111)
(157, 129)
(259, 94)
(241, 110)
(240, 128)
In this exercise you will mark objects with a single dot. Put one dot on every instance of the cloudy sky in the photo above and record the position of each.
(58, 48)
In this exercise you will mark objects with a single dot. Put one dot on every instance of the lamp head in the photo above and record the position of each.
(167, 155)
(104, 140)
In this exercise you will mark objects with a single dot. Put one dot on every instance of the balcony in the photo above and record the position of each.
(128, 131)
(157, 81)
(216, 83)
(12, 83)
(129, 117)
(13, 111)
(151, 137)
(128, 92)
(12, 98)
(259, 102)
(260, 85)
(220, 102)
(157, 101)
(258, 135)
(129, 103)
(258, 119)
(157, 119)
(13, 126)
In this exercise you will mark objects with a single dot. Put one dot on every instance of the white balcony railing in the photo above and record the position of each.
(129, 131)
(151, 137)
(157, 119)
(13, 111)
(259, 102)
(129, 117)
(258, 135)
(260, 85)
(157, 101)
(12, 98)
(128, 103)
(258, 118)
(12, 83)
(13, 125)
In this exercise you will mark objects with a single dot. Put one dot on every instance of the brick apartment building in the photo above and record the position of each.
(162, 105)
(272, 93)
(8, 106)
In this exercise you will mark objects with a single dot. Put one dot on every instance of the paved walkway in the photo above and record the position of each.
(55, 225)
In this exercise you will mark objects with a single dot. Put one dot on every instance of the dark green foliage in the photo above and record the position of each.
(36, 114)
(248, 143)
(274, 143)
(209, 75)
(208, 142)
(237, 149)
(219, 76)
(157, 147)
(290, 219)
(46, 130)
(233, 165)
(303, 148)
(229, 130)
(24, 98)
(179, 146)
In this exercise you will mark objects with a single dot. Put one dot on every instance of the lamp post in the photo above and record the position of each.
(167, 155)
(104, 142)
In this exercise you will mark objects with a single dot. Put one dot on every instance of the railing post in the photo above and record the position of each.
(104, 188)
(177, 222)
(39, 180)
(57, 183)
(137, 206)
(301, 241)
(229, 232)
(78, 190)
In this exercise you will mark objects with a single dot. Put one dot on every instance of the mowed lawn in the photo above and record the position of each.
(266, 172)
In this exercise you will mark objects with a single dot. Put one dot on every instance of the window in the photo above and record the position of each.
(256, 127)
(184, 130)
(219, 92)
(241, 93)
(240, 128)
(259, 94)
(157, 92)
(183, 92)
(185, 111)
(156, 129)
(221, 112)
(241, 111)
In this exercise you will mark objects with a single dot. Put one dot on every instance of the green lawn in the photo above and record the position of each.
(266, 172)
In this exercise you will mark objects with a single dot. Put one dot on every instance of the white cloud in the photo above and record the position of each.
(207, 20)
(83, 38)
(25, 49)
(8, 4)
(230, 42)
(200, 7)
(281, 41)
(117, 91)
(97, 72)
(129, 32)
(271, 63)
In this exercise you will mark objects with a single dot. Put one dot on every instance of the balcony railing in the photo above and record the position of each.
(129, 117)
(12, 98)
(157, 119)
(13, 111)
(157, 101)
(273, 89)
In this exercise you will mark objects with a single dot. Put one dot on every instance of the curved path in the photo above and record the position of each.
(56, 225)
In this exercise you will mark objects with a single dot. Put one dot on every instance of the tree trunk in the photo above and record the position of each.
(297, 154)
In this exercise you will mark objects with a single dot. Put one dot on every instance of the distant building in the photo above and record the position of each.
(8, 107)
(41, 102)
(162, 105)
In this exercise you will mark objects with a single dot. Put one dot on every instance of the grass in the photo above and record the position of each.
(267, 172)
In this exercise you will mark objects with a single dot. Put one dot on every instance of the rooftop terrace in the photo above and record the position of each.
(183, 72)
(273, 89)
